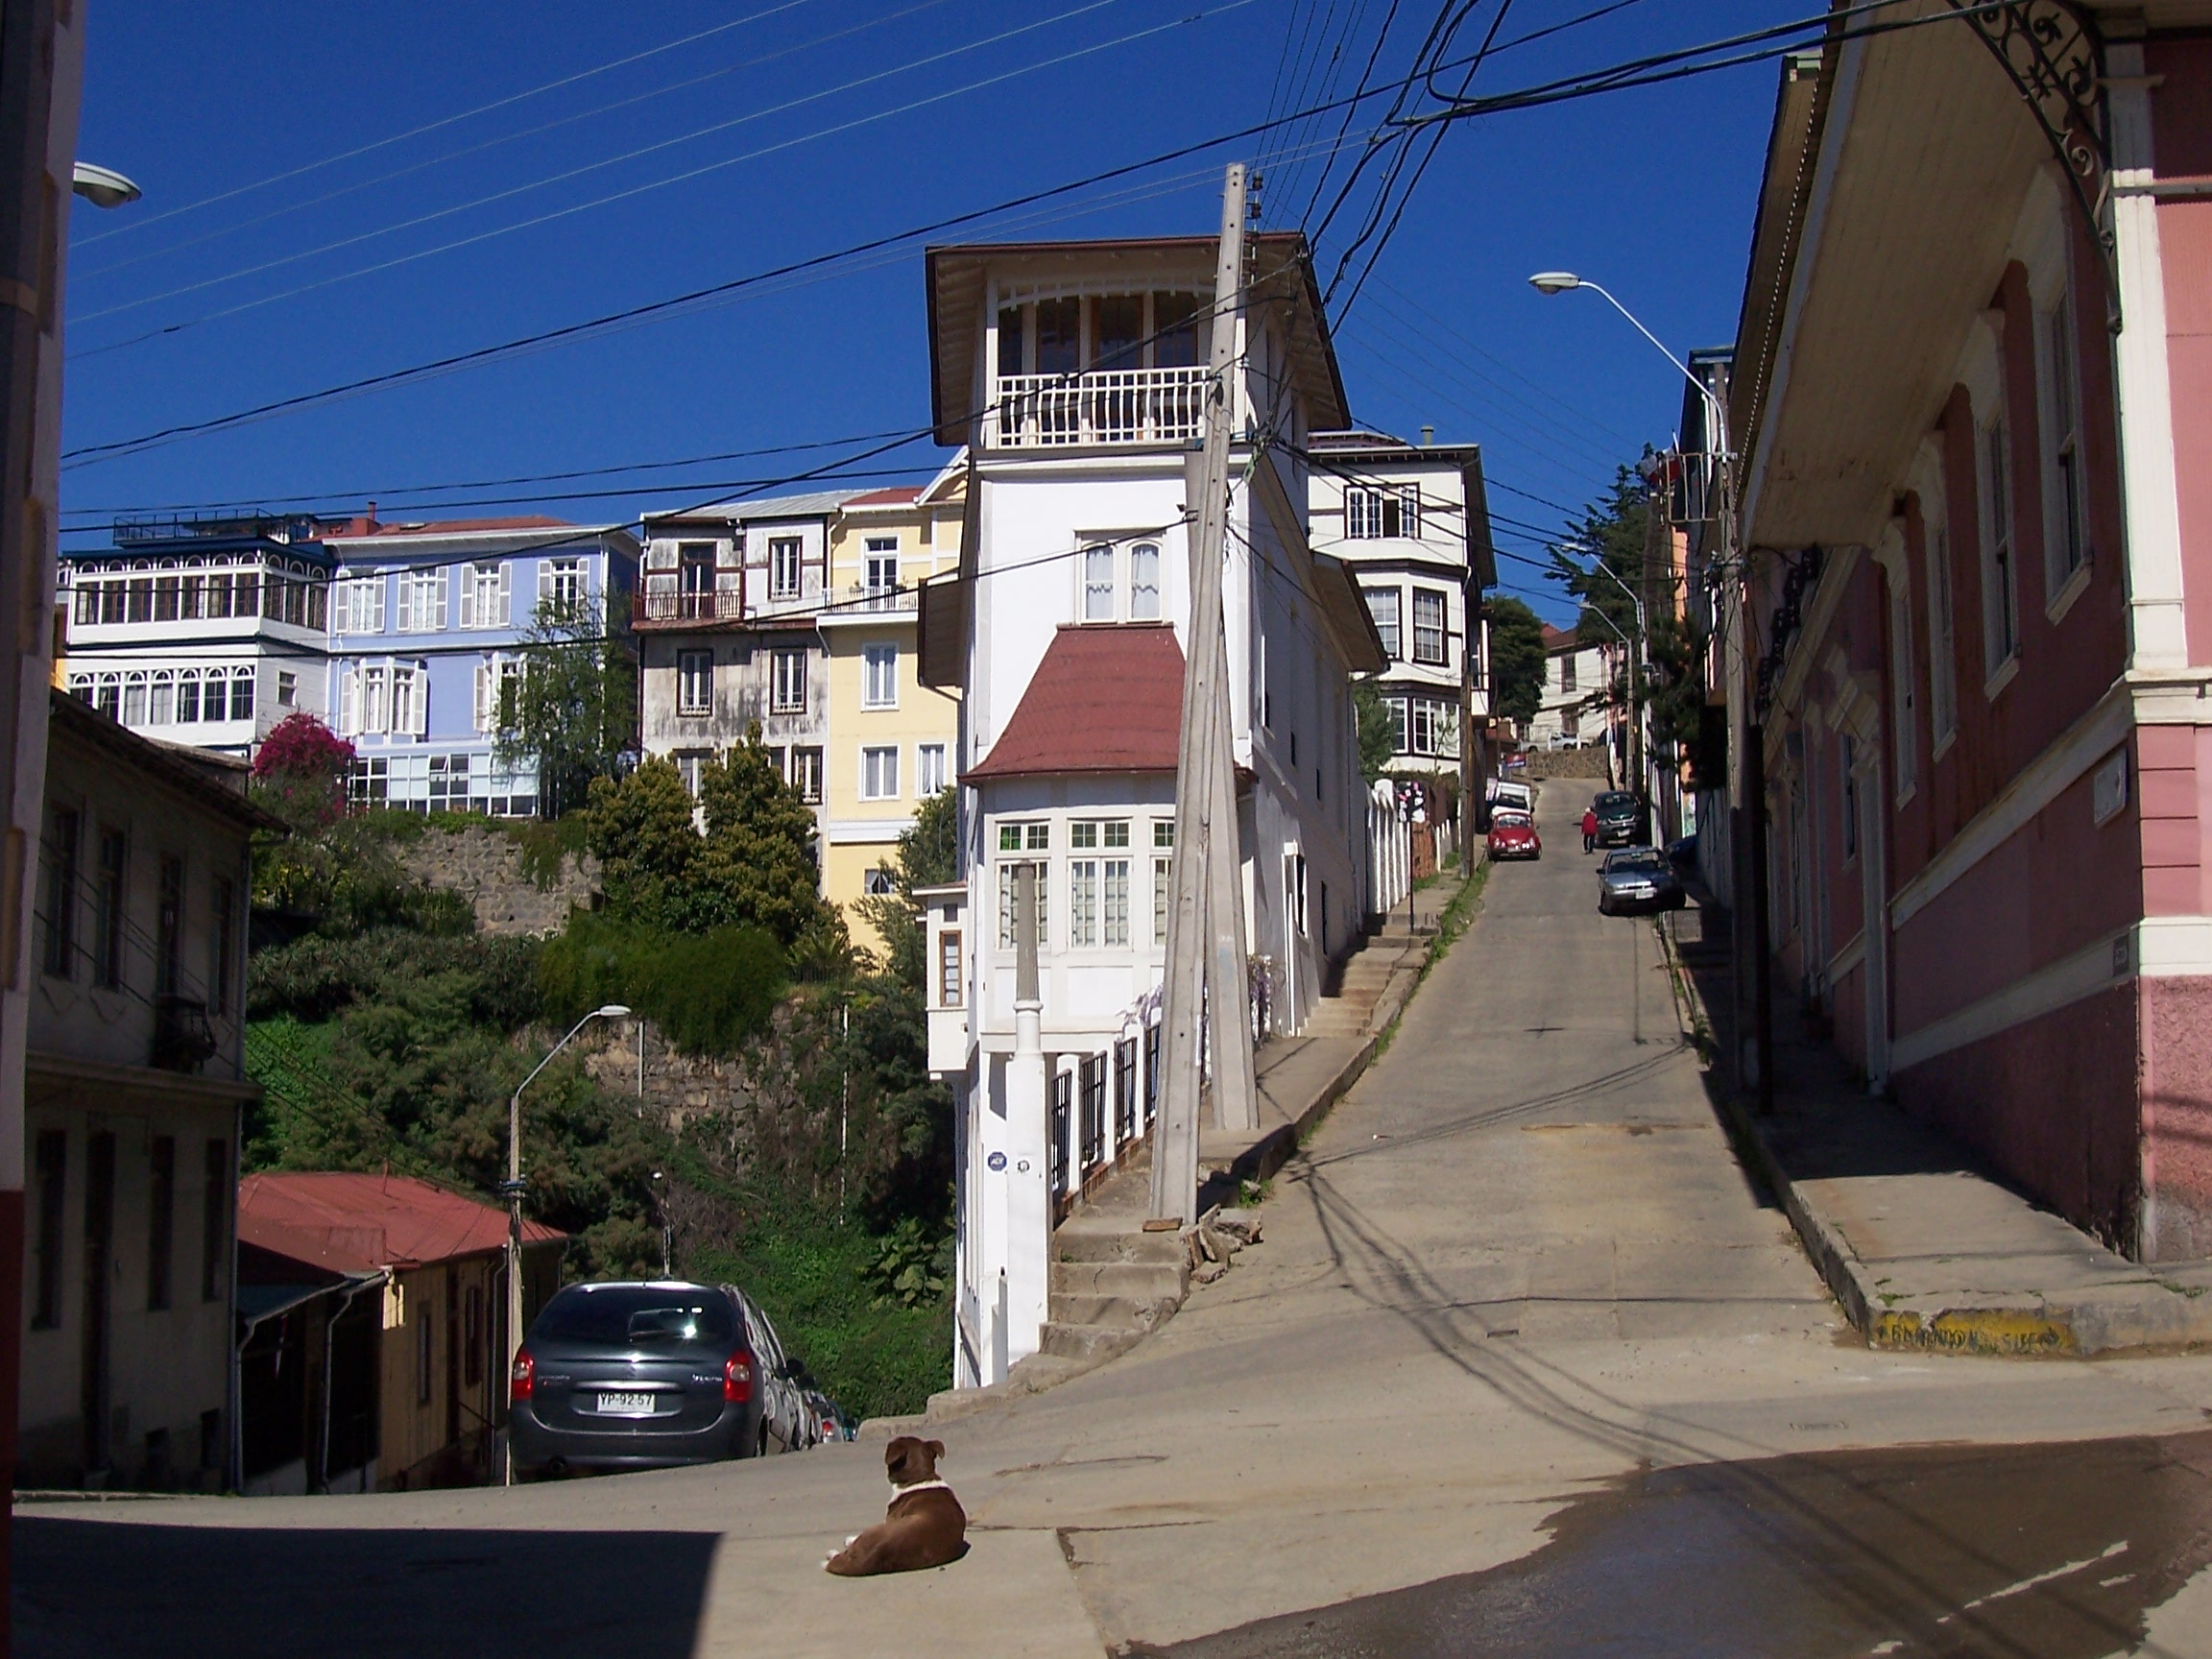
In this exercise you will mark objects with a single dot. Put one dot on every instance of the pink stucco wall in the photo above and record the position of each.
(2182, 144)
(2176, 1081)
(2050, 1104)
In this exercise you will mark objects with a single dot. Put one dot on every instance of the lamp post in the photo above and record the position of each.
(1639, 648)
(1746, 798)
(513, 1186)
(102, 186)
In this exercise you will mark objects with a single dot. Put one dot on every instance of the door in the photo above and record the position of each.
(452, 1355)
(99, 1286)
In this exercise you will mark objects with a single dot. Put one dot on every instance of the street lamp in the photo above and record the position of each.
(513, 1186)
(1561, 281)
(102, 186)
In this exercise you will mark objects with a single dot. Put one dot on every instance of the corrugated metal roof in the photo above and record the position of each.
(811, 504)
(1104, 699)
(349, 1223)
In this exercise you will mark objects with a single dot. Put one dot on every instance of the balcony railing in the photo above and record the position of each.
(700, 605)
(864, 596)
(1106, 407)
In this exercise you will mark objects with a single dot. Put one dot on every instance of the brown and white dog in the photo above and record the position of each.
(926, 1525)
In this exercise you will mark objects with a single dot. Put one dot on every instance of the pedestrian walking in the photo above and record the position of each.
(1588, 829)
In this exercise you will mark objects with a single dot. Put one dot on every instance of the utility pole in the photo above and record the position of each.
(1199, 957)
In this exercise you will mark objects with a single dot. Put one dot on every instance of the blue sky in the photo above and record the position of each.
(809, 126)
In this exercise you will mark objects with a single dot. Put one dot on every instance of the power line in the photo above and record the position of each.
(664, 90)
(142, 221)
(684, 176)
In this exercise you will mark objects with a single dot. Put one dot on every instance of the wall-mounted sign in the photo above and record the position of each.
(996, 1162)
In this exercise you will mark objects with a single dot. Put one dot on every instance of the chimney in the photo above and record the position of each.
(1428, 436)
(369, 520)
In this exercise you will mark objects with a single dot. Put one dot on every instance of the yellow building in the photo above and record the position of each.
(891, 739)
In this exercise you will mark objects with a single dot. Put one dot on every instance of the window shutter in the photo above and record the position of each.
(407, 601)
(506, 602)
(468, 596)
(483, 699)
(343, 621)
(418, 712)
(348, 699)
(445, 579)
(376, 603)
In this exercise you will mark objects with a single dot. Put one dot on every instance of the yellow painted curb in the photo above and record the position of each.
(1991, 1331)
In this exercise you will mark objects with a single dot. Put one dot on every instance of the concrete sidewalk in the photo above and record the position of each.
(1924, 1247)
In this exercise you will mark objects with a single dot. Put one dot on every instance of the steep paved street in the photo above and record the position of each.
(1524, 1365)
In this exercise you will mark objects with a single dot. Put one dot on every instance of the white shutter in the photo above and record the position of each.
(407, 601)
(418, 700)
(483, 703)
(376, 603)
(467, 595)
(506, 593)
(348, 699)
(342, 612)
(443, 577)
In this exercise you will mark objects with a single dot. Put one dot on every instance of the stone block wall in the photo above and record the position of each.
(486, 866)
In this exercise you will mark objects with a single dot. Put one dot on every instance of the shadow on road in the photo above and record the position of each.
(2045, 1551)
(145, 1591)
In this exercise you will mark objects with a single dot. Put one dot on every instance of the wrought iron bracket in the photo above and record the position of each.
(2053, 56)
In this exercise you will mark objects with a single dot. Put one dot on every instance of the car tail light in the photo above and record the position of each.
(522, 1376)
(738, 1376)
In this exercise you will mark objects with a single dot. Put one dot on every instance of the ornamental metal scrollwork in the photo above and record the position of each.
(2052, 53)
(1800, 577)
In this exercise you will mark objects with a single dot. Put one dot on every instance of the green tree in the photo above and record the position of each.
(573, 709)
(1378, 729)
(641, 828)
(1516, 659)
(928, 856)
(758, 863)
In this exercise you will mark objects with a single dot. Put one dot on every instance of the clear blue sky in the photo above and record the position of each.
(1650, 191)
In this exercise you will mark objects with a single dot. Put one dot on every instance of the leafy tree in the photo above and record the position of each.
(757, 860)
(573, 711)
(1378, 727)
(641, 827)
(300, 771)
(1613, 529)
(1516, 659)
(928, 856)
(706, 991)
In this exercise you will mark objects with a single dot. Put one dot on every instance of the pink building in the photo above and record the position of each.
(1973, 407)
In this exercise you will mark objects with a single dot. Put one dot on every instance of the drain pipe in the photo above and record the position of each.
(379, 1279)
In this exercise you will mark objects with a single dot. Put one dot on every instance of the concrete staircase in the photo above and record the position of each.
(1111, 1281)
(1351, 1008)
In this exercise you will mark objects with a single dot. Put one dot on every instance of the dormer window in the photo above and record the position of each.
(1119, 581)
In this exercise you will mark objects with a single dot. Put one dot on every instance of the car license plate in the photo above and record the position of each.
(625, 1405)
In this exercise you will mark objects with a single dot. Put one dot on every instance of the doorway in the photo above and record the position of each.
(99, 1277)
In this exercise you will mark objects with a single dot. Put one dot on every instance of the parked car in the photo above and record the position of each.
(639, 1376)
(1512, 797)
(1512, 836)
(830, 1420)
(1638, 878)
(1621, 818)
(1682, 852)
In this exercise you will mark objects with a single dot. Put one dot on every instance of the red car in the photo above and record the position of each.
(1513, 837)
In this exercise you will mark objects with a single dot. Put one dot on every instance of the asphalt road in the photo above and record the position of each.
(1524, 1366)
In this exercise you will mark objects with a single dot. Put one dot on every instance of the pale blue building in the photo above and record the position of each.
(426, 623)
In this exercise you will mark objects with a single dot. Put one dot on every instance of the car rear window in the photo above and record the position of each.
(1642, 859)
(638, 1317)
(1616, 802)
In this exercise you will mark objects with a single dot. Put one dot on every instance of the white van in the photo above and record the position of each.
(1520, 797)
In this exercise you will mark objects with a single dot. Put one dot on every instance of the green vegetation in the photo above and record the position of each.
(707, 993)
(1516, 657)
(573, 709)
(1378, 730)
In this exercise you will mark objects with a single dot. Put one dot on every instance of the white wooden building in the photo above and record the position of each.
(1075, 372)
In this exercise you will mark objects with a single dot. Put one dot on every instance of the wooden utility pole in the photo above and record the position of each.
(1201, 940)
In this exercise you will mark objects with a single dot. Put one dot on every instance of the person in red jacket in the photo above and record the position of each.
(1588, 829)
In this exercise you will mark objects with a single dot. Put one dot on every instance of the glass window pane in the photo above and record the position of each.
(1145, 582)
(1098, 584)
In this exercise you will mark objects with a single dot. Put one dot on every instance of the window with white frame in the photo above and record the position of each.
(1382, 605)
(1943, 634)
(361, 604)
(2066, 505)
(1401, 736)
(1428, 643)
(695, 681)
(878, 882)
(241, 694)
(881, 577)
(1162, 875)
(560, 581)
(879, 772)
(928, 770)
(1144, 581)
(1098, 582)
(1435, 727)
(691, 767)
(287, 690)
(1999, 595)
(1014, 841)
(879, 677)
(1099, 882)
(486, 601)
(375, 707)
(785, 560)
(506, 702)
(1373, 515)
(422, 601)
(806, 775)
(410, 699)
(787, 683)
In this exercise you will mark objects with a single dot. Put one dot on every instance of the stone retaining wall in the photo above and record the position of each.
(485, 865)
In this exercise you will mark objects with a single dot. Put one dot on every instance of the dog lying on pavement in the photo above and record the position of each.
(925, 1526)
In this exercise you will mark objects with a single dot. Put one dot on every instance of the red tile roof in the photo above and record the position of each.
(899, 497)
(1559, 638)
(369, 525)
(356, 1223)
(1104, 699)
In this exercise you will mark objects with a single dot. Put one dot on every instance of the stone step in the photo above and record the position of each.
(1087, 1342)
(1125, 1243)
(1144, 1282)
(1117, 1310)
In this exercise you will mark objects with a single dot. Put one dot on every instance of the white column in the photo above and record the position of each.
(2157, 635)
(1028, 1131)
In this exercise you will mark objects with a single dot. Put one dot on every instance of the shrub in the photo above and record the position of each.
(708, 991)
(318, 976)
